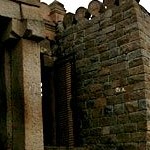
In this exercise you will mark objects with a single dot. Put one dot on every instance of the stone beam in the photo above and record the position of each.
(28, 29)
(29, 2)
(10, 9)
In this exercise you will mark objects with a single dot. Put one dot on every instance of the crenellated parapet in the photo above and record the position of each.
(96, 9)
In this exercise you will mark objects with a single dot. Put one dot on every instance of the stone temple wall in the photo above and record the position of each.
(111, 44)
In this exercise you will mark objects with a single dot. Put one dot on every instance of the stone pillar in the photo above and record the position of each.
(27, 111)
(32, 95)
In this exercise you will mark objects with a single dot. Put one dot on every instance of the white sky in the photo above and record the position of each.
(72, 5)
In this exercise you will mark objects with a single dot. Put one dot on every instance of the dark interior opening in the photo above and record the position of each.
(48, 104)
(59, 106)
(3, 104)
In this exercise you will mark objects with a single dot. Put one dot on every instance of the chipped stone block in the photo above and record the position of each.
(31, 12)
(10, 9)
(30, 2)
(34, 29)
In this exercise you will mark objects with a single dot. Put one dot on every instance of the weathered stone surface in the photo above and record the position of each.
(95, 7)
(33, 29)
(109, 3)
(10, 9)
(32, 95)
(30, 12)
(29, 2)
(68, 20)
(82, 14)
(112, 71)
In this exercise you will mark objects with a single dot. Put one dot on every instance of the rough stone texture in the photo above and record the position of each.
(57, 11)
(29, 2)
(112, 72)
(20, 86)
(112, 69)
(32, 95)
(10, 9)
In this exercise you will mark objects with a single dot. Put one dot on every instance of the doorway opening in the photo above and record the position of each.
(59, 103)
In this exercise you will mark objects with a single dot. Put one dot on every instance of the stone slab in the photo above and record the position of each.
(10, 9)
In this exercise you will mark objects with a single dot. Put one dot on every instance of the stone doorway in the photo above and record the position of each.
(58, 103)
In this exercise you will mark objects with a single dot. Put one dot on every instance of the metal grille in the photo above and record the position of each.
(64, 115)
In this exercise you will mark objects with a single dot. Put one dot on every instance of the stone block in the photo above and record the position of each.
(142, 126)
(81, 14)
(30, 2)
(14, 30)
(100, 103)
(92, 29)
(10, 9)
(109, 29)
(109, 3)
(33, 29)
(129, 146)
(138, 137)
(135, 62)
(123, 118)
(108, 121)
(137, 116)
(119, 109)
(31, 12)
(124, 137)
(136, 78)
(131, 106)
(130, 127)
(106, 130)
(95, 8)
(68, 20)
(116, 129)
(136, 70)
(118, 17)
(123, 40)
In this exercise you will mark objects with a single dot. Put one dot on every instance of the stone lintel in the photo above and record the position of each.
(10, 9)
(31, 12)
(28, 29)
(29, 2)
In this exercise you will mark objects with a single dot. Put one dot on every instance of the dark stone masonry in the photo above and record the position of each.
(74, 81)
